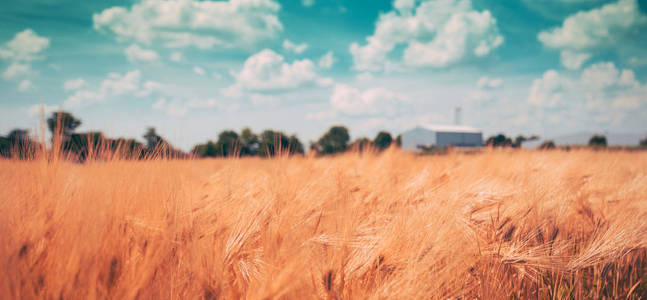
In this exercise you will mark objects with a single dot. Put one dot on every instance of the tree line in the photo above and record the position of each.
(596, 141)
(83, 145)
(268, 143)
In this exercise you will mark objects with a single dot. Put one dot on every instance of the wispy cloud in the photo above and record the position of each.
(134, 53)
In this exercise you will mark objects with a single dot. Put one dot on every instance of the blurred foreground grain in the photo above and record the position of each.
(495, 225)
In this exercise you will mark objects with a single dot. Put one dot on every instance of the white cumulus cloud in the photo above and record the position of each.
(601, 89)
(115, 84)
(26, 45)
(184, 23)
(486, 88)
(547, 91)
(176, 56)
(134, 53)
(16, 70)
(489, 83)
(84, 98)
(327, 60)
(74, 84)
(434, 34)
(267, 71)
(148, 88)
(25, 85)
(296, 48)
(199, 71)
(373, 101)
(586, 32)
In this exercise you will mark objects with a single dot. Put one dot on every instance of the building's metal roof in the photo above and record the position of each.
(450, 128)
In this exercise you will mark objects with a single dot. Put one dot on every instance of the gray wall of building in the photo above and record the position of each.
(419, 136)
(461, 139)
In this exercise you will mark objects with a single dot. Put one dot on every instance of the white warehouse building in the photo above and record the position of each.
(441, 136)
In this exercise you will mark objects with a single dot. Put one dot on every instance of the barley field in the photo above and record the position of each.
(494, 225)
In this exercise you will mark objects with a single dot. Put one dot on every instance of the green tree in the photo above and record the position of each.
(157, 146)
(205, 150)
(547, 145)
(643, 143)
(333, 141)
(83, 144)
(361, 145)
(127, 148)
(520, 139)
(17, 136)
(272, 143)
(499, 140)
(227, 144)
(598, 141)
(153, 140)
(398, 140)
(5, 147)
(382, 140)
(62, 123)
(18, 144)
(249, 143)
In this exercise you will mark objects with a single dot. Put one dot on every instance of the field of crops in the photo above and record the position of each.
(494, 225)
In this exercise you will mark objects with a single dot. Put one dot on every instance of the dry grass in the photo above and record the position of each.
(489, 226)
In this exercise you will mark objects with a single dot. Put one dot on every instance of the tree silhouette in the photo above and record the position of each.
(272, 143)
(598, 141)
(361, 145)
(152, 138)
(5, 147)
(18, 136)
(382, 140)
(398, 140)
(82, 144)
(643, 143)
(520, 139)
(18, 144)
(547, 145)
(62, 123)
(126, 148)
(157, 146)
(205, 150)
(249, 143)
(333, 141)
(499, 140)
(227, 144)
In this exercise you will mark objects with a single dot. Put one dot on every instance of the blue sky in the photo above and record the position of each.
(194, 68)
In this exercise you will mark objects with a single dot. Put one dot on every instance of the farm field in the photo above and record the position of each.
(499, 224)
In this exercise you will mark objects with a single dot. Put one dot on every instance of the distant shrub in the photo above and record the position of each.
(547, 145)
(383, 140)
(499, 140)
(598, 141)
(333, 141)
